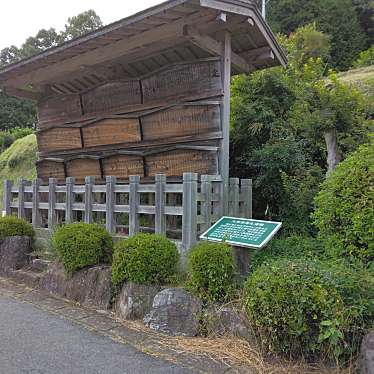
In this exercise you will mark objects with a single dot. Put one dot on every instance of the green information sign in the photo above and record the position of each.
(242, 232)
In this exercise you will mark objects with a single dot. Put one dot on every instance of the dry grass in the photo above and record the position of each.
(237, 354)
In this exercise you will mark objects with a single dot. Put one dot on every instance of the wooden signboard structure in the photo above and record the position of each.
(146, 95)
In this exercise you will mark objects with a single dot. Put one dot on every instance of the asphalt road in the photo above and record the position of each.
(33, 341)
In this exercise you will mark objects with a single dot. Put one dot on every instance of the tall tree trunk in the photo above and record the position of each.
(333, 154)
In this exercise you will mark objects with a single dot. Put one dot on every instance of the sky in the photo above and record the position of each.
(20, 19)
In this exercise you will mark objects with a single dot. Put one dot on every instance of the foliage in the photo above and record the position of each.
(291, 248)
(13, 226)
(80, 244)
(278, 124)
(144, 259)
(211, 271)
(345, 206)
(366, 58)
(7, 138)
(16, 112)
(18, 161)
(310, 308)
(336, 18)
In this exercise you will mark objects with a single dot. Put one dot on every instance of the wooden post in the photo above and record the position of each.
(69, 199)
(206, 205)
(160, 220)
(21, 198)
(189, 220)
(7, 197)
(52, 203)
(246, 191)
(234, 197)
(89, 182)
(134, 201)
(35, 219)
(110, 202)
(225, 144)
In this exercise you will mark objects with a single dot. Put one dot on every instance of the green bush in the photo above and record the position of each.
(211, 271)
(80, 244)
(311, 308)
(13, 226)
(345, 207)
(293, 247)
(144, 259)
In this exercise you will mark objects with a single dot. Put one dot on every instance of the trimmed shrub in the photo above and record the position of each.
(345, 207)
(293, 247)
(310, 308)
(144, 259)
(13, 226)
(212, 271)
(80, 244)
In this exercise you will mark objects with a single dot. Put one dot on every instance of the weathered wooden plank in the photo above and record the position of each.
(184, 82)
(7, 196)
(206, 205)
(160, 202)
(50, 169)
(81, 167)
(175, 163)
(59, 108)
(189, 220)
(234, 197)
(52, 218)
(122, 166)
(58, 138)
(181, 121)
(134, 202)
(35, 215)
(112, 97)
(246, 192)
(111, 131)
(21, 198)
(70, 181)
(88, 198)
(110, 202)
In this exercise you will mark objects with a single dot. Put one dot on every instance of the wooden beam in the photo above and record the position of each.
(224, 156)
(216, 48)
(24, 94)
(109, 52)
(258, 54)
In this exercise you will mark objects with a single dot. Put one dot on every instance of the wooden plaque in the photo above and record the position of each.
(57, 109)
(58, 139)
(184, 82)
(122, 166)
(112, 97)
(50, 169)
(82, 167)
(181, 121)
(177, 162)
(111, 131)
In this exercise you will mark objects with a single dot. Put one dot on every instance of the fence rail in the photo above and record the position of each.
(127, 208)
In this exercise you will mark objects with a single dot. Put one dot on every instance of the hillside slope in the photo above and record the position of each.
(362, 78)
(18, 161)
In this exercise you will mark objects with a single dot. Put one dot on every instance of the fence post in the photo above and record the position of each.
(52, 203)
(110, 201)
(234, 197)
(69, 201)
(246, 190)
(88, 199)
(134, 201)
(35, 218)
(206, 205)
(21, 198)
(7, 197)
(160, 201)
(189, 219)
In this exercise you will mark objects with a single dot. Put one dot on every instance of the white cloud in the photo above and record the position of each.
(20, 19)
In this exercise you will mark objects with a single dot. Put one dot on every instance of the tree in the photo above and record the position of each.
(336, 18)
(22, 113)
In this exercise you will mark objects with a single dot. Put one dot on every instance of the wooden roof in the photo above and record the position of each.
(174, 31)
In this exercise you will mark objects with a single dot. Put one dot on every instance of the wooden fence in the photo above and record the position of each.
(178, 210)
